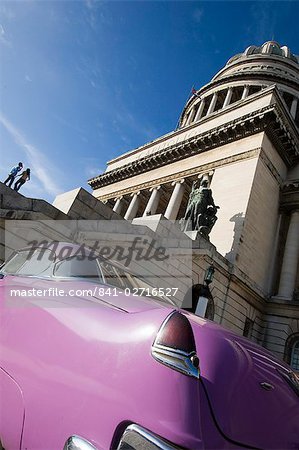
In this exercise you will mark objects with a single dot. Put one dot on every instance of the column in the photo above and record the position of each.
(228, 97)
(184, 123)
(245, 92)
(133, 207)
(175, 200)
(290, 259)
(153, 202)
(190, 118)
(294, 107)
(200, 110)
(118, 205)
(272, 265)
(213, 103)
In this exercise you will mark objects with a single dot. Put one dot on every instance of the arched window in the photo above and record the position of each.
(291, 355)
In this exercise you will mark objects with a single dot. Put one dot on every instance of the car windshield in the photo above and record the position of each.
(118, 277)
(75, 267)
(28, 263)
(41, 263)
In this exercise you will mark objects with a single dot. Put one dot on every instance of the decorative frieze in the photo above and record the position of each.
(184, 174)
(269, 119)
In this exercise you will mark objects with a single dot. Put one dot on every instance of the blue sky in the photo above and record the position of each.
(83, 81)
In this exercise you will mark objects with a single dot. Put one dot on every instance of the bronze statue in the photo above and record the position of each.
(201, 210)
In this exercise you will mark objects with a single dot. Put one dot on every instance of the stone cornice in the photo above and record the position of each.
(272, 119)
(261, 60)
(289, 196)
(280, 308)
(204, 168)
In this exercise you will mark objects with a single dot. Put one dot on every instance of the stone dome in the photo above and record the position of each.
(245, 75)
(271, 48)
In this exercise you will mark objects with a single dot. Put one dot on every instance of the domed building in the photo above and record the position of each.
(240, 133)
(244, 75)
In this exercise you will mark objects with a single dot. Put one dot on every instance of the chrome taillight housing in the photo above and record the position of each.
(136, 437)
(78, 443)
(175, 346)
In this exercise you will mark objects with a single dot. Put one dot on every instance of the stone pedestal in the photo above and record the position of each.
(151, 222)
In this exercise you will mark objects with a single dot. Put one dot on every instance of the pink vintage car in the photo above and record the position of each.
(89, 364)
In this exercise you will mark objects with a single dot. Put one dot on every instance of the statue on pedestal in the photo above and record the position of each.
(201, 210)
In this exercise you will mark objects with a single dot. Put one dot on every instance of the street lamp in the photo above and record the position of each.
(205, 294)
(209, 275)
(199, 299)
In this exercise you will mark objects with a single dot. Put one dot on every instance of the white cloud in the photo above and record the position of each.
(92, 172)
(6, 12)
(3, 38)
(197, 15)
(264, 19)
(91, 166)
(27, 78)
(40, 167)
(89, 4)
(129, 120)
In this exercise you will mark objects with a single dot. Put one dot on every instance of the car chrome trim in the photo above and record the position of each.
(78, 443)
(291, 378)
(176, 359)
(146, 435)
(266, 386)
(175, 350)
(186, 363)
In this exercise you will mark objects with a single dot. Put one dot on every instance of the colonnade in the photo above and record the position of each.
(207, 104)
(294, 107)
(132, 204)
(290, 260)
(197, 114)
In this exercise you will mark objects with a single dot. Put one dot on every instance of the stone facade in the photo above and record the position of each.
(241, 132)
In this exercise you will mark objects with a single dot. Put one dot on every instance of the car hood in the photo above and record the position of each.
(251, 401)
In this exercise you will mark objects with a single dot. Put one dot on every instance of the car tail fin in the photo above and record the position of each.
(175, 346)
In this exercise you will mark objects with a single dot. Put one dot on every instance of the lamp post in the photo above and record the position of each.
(205, 294)
(209, 275)
(198, 298)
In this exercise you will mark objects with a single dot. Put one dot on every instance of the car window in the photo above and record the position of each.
(114, 276)
(141, 283)
(121, 279)
(77, 268)
(28, 263)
